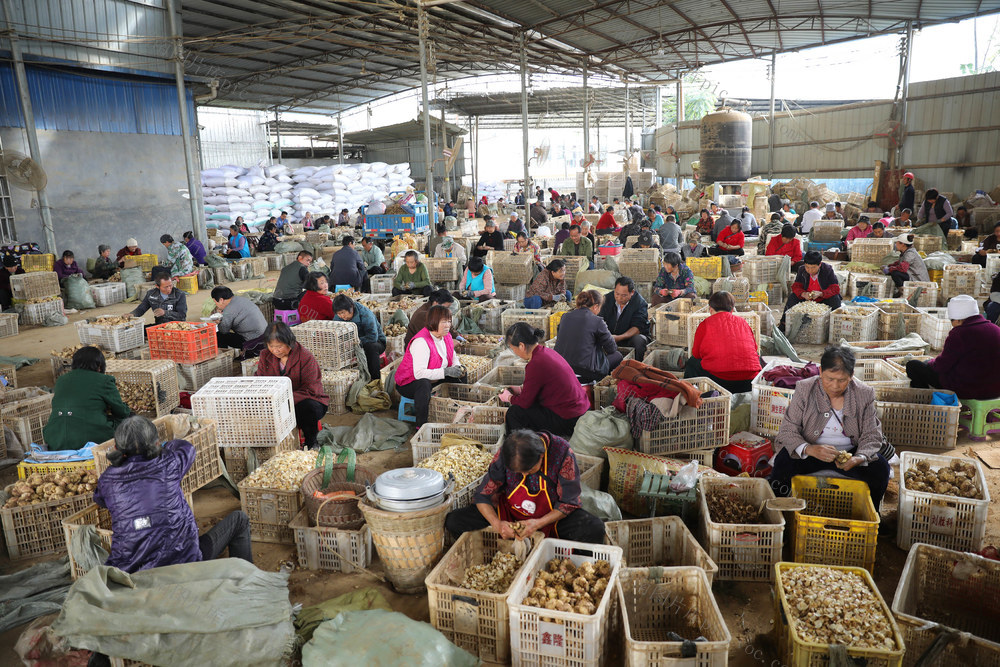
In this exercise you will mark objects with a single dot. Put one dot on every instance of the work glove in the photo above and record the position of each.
(885, 270)
(454, 372)
(558, 297)
(409, 285)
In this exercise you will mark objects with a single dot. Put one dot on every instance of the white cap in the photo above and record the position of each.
(131, 243)
(514, 215)
(905, 239)
(831, 207)
(961, 307)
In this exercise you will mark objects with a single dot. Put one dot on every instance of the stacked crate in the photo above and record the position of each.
(37, 292)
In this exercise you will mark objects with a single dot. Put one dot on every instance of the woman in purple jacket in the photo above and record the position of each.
(152, 522)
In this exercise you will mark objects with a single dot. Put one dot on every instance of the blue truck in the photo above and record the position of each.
(387, 226)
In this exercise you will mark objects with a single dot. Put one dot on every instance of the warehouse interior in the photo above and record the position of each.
(115, 115)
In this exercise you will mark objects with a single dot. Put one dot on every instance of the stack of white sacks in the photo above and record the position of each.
(492, 191)
(257, 193)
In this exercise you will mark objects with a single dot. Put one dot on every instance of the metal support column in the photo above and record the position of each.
(475, 165)
(628, 126)
(29, 126)
(444, 145)
(586, 116)
(524, 120)
(771, 121)
(422, 30)
(190, 164)
(277, 131)
(679, 94)
(472, 157)
(905, 93)
(340, 139)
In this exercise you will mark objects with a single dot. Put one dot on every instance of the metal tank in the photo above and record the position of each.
(725, 146)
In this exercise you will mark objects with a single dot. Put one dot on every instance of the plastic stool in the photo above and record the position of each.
(289, 317)
(975, 419)
(403, 415)
(342, 288)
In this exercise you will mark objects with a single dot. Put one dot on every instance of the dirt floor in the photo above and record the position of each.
(747, 608)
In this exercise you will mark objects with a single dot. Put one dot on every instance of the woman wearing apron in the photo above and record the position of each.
(533, 481)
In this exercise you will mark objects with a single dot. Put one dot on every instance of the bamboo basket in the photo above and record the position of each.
(407, 543)
(573, 266)
(640, 264)
(513, 268)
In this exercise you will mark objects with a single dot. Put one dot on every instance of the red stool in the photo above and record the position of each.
(302, 438)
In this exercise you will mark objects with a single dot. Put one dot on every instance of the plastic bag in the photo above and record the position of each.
(55, 320)
(602, 278)
(598, 429)
(685, 478)
(600, 504)
(310, 618)
(78, 293)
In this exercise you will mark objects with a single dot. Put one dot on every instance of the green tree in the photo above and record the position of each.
(699, 100)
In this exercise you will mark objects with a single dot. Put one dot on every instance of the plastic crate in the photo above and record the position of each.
(671, 320)
(442, 269)
(37, 313)
(207, 465)
(37, 285)
(737, 286)
(382, 284)
(241, 461)
(36, 530)
(8, 374)
(513, 268)
(942, 588)
(184, 347)
(899, 363)
(27, 418)
(14, 395)
(709, 268)
(188, 284)
(248, 411)
(25, 468)
(491, 319)
(662, 541)
(871, 250)
(961, 279)
(192, 377)
(336, 384)
(839, 525)
(768, 403)
(909, 420)
(447, 398)
(573, 266)
(481, 414)
(38, 262)
(334, 549)
(332, 343)
(535, 317)
(511, 292)
(108, 294)
(852, 323)
(658, 601)
(743, 552)
(942, 520)
(92, 515)
(826, 231)
(935, 326)
(248, 367)
(793, 650)
(161, 376)
(545, 637)
(141, 289)
(874, 286)
(761, 270)
(640, 264)
(504, 376)
(807, 329)
(8, 324)
(897, 319)
(477, 621)
(427, 440)
(271, 512)
(749, 316)
(145, 261)
(928, 293)
(879, 373)
(707, 427)
(476, 367)
(114, 337)
(275, 261)
(992, 267)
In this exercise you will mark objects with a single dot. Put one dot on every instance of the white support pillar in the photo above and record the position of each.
(422, 30)
(524, 122)
(340, 139)
(771, 121)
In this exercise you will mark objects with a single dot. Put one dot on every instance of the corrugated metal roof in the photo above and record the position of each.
(412, 129)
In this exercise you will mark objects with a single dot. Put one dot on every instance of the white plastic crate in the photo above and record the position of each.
(248, 411)
(331, 342)
(113, 338)
(545, 637)
(935, 326)
(768, 403)
(108, 294)
(382, 284)
(8, 324)
(942, 520)
(37, 313)
(743, 552)
(192, 377)
(853, 323)
(427, 440)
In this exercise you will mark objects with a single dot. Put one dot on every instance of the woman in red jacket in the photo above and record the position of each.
(317, 302)
(724, 348)
(285, 357)
(607, 221)
(730, 241)
(786, 244)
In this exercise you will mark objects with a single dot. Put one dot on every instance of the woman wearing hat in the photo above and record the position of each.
(104, 267)
(971, 350)
(862, 230)
(131, 249)
(448, 249)
(909, 266)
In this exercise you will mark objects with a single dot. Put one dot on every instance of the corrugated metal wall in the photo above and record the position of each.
(232, 136)
(85, 101)
(111, 33)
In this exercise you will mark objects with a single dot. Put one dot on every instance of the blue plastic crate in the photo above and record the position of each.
(821, 246)
(395, 225)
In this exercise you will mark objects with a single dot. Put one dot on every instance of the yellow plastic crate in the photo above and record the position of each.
(842, 525)
(188, 284)
(43, 262)
(709, 268)
(554, 320)
(24, 469)
(146, 261)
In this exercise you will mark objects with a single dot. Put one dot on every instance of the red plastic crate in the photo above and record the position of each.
(184, 347)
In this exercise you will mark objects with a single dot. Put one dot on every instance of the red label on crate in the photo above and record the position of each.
(779, 402)
(552, 639)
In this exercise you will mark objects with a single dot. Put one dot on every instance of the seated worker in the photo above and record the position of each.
(693, 247)
(418, 319)
(646, 238)
(729, 241)
(577, 245)
(828, 416)
(992, 305)
(131, 249)
(168, 303)
(705, 223)
(670, 235)
(67, 267)
(815, 281)
(441, 233)
(561, 235)
(786, 244)
(317, 301)
(477, 281)
(104, 266)
(196, 248)
(286, 357)
(773, 226)
(862, 230)
(10, 268)
(242, 325)
(971, 355)
(748, 222)
(514, 225)
(291, 282)
(429, 360)
(346, 267)
(878, 231)
(627, 317)
(448, 249)
(239, 246)
(607, 221)
(548, 287)
(267, 241)
(966, 223)
(370, 332)
(490, 239)
(153, 524)
(909, 266)
(989, 246)
(86, 404)
(179, 260)
(551, 398)
(412, 278)
(585, 342)
(675, 280)
(522, 245)
(344, 218)
(373, 257)
(724, 349)
(534, 481)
